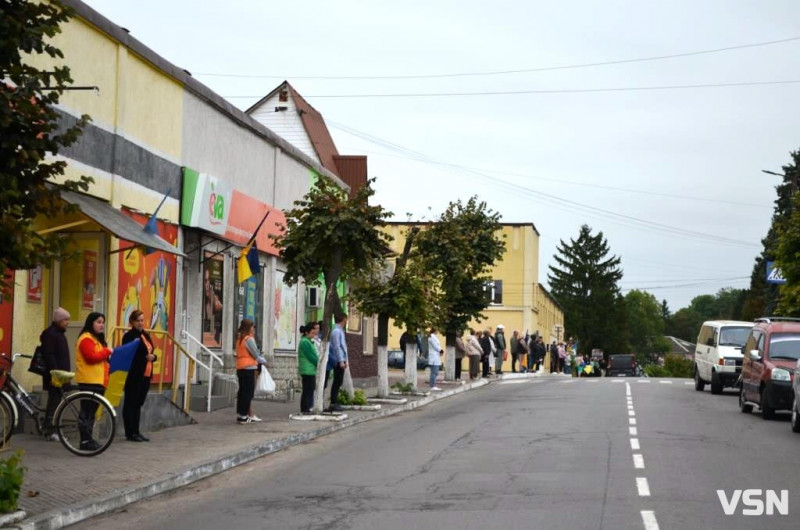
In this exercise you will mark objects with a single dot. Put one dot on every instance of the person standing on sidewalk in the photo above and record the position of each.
(553, 358)
(56, 357)
(486, 345)
(522, 353)
(137, 384)
(474, 352)
(308, 358)
(461, 351)
(434, 358)
(502, 352)
(248, 366)
(337, 360)
(513, 347)
(91, 373)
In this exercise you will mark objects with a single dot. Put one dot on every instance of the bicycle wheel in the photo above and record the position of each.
(85, 423)
(7, 419)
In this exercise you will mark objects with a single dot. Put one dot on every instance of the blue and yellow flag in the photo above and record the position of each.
(120, 365)
(248, 262)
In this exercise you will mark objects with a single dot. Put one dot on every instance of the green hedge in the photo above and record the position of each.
(674, 366)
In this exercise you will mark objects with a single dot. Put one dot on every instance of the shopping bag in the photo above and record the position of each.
(505, 355)
(38, 366)
(264, 385)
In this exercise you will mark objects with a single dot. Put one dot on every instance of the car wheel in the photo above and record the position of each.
(795, 416)
(767, 412)
(743, 405)
(716, 384)
(699, 384)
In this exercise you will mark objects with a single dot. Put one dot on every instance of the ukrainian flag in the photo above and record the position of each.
(248, 261)
(120, 365)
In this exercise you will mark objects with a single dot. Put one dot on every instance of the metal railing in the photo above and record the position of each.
(210, 367)
(178, 352)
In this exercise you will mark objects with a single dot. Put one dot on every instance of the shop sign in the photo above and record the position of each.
(206, 202)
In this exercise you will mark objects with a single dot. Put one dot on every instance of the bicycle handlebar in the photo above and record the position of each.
(25, 355)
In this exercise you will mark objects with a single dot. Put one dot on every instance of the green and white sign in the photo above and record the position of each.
(206, 202)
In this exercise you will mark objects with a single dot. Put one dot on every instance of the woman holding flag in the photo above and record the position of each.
(91, 372)
(137, 384)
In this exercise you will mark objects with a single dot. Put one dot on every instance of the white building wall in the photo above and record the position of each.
(286, 124)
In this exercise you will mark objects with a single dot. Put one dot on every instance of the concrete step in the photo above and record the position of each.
(199, 402)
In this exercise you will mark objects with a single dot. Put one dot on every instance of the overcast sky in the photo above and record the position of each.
(694, 155)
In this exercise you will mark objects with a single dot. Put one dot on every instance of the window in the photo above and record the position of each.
(706, 334)
(212, 300)
(249, 302)
(784, 346)
(734, 336)
(750, 345)
(493, 292)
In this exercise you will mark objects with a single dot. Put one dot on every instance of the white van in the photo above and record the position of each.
(718, 354)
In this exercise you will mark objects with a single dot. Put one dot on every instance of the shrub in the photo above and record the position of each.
(403, 387)
(654, 370)
(678, 365)
(12, 474)
(359, 398)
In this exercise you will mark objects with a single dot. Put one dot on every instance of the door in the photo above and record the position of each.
(79, 285)
(757, 370)
(747, 364)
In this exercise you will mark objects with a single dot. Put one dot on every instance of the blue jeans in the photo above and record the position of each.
(434, 369)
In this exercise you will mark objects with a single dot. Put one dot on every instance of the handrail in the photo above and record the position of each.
(186, 335)
(203, 347)
(116, 340)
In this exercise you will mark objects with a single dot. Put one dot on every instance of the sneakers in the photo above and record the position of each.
(255, 418)
(435, 389)
(89, 445)
(52, 437)
(244, 419)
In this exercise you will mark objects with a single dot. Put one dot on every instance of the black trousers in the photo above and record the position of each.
(459, 368)
(307, 397)
(88, 411)
(485, 364)
(338, 377)
(247, 387)
(136, 390)
(53, 399)
(514, 357)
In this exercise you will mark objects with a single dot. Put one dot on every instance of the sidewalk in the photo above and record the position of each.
(62, 489)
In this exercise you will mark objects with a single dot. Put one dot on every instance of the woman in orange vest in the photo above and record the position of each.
(248, 366)
(91, 372)
(137, 384)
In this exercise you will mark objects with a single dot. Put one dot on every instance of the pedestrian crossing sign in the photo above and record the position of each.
(774, 274)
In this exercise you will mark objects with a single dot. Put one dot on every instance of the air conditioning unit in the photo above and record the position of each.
(314, 298)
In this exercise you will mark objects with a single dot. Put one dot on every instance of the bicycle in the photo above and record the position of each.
(80, 431)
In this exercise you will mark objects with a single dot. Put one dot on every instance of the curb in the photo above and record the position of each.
(81, 511)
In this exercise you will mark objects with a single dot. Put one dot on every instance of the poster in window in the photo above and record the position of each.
(89, 278)
(213, 290)
(285, 318)
(35, 279)
(147, 283)
(249, 303)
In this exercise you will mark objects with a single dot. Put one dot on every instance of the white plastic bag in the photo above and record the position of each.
(265, 385)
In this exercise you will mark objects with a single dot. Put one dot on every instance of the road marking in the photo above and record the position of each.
(632, 421)
(642, 486)
(688, 382)
(665, 382)
(566, 382)
(638, 461)
(643, 381)
(617, 381)
(633, 431)
(635, 444)
(649, 520)
(515, 382)
(631, 413)
(592, 381)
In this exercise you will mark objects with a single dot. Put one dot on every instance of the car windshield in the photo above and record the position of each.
(784, 346)
(734, 336)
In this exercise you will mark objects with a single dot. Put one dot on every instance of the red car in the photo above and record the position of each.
(770, 359)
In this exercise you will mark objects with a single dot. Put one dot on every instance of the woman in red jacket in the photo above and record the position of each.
(91, 373)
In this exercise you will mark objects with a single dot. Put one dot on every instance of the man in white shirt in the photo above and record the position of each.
(434, 357)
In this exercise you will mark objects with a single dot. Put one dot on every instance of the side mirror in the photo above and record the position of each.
(755, 354)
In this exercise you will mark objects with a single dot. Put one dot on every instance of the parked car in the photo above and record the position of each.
(622, 364)
(718, 354)
(770, 359)
(397, 359)
(796, 402)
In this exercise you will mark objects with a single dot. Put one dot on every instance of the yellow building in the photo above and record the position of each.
(516, 298)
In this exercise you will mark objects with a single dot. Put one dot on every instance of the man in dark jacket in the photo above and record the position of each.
(486, 344)
(56, 357)
(500, 343)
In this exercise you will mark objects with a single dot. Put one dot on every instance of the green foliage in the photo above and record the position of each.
(727, 304)
(29, 134)
(584, 281)
(678, 366)
(359, 398)
(403, 387)
(645, 322)
(654, 370)
(12, 474)
(685, 324)
(461, 248)
(788, 259)
(336, 234)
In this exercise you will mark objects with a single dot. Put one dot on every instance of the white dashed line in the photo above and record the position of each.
(632, 421)
(631, 413)
(566, 382)
(638, 461)
(617, 381)
(592, 381)
(633, 431)
(665, 382)
(635, 444)
(688, 382)
(649, 520)
(642, 486)
(643, 381)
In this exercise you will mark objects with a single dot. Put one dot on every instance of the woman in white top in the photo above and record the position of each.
(434, 357)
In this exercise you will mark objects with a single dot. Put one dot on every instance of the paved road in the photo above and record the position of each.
(550, 453)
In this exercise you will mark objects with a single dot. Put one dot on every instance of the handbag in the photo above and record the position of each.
(38, 366)
(505, 355)
(265, 384)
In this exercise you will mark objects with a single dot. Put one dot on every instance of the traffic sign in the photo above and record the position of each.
(774, 274)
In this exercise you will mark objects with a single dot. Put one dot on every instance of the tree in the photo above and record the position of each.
(665, 312)
(645, 323)
(30, 135)
(406, 297)
(763, 298)
(705, 305)
(685, 324)
(339, 236)
(585, 280)
(788, 259)
(461, 248)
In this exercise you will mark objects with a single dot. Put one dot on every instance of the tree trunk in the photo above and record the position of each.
(411, 363)
(347, 382)
(331, 302)
(319, 392)
(450, 357)
(383, 362)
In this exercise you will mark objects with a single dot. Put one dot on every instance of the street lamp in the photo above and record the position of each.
(793, 178)
(768, 172)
